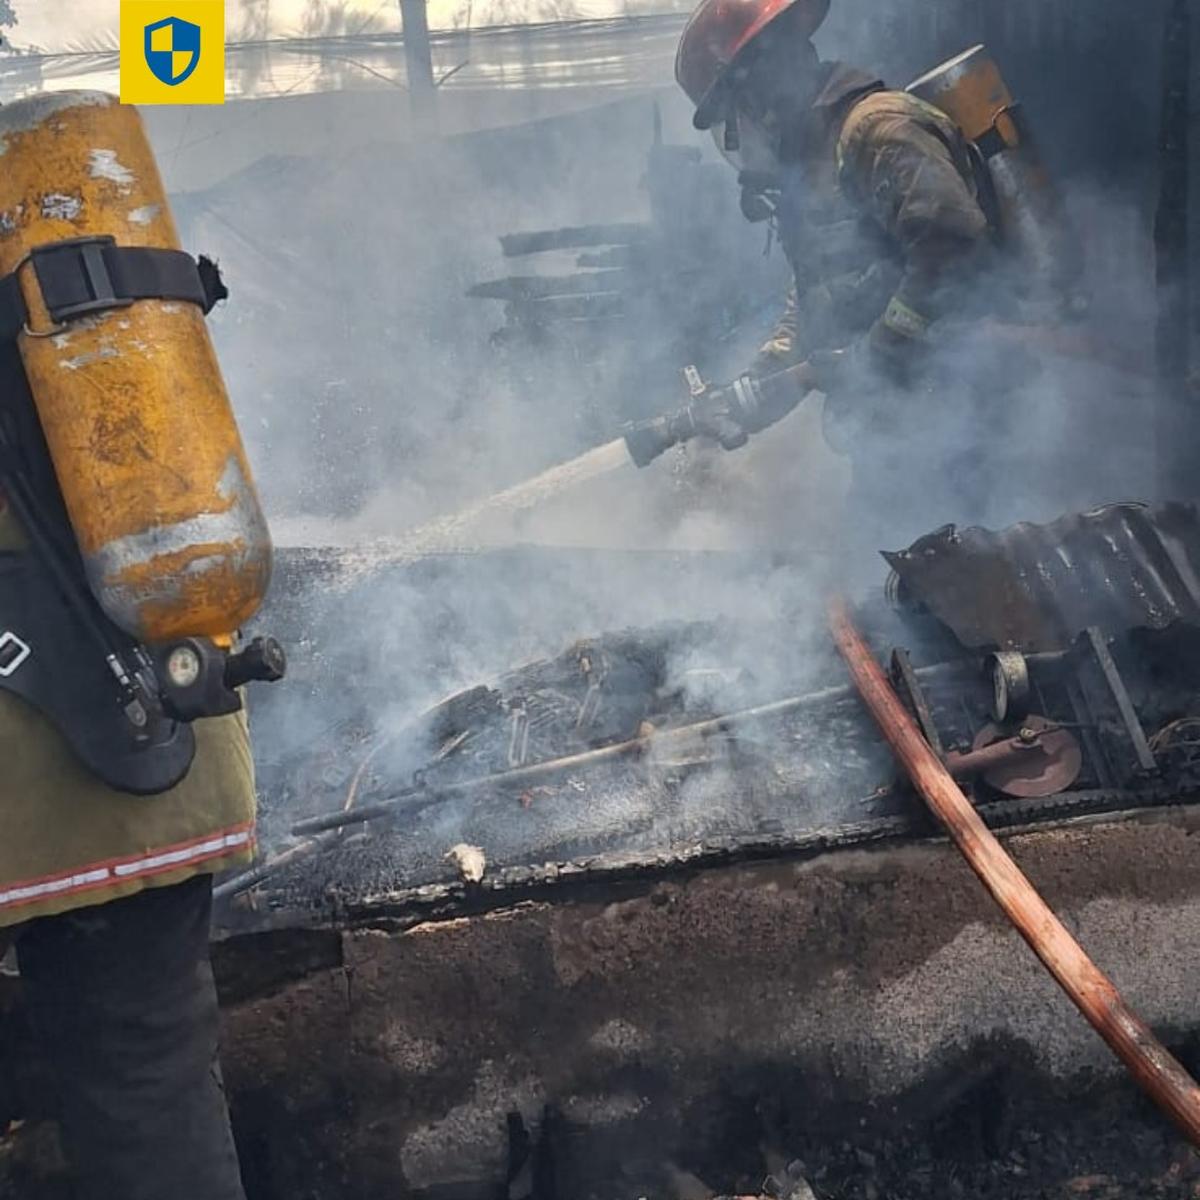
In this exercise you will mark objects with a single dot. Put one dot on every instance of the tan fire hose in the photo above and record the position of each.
(1092, 992)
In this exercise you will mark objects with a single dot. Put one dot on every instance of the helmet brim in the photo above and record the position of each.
(713, 104)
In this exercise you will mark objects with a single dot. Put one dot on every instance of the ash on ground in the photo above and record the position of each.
(994, 1130)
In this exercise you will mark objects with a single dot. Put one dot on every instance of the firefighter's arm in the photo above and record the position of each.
(910, 183)
(781, 349)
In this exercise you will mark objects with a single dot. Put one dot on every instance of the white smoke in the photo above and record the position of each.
(373, 401)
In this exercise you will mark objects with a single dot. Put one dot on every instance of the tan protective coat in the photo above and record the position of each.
(67, 841)
(139, 425)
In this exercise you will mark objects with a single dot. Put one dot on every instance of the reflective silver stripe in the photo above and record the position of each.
(213, 847)
(173, 858)
(53, 887)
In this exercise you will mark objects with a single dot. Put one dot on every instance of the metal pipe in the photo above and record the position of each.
(1091, 991)
(590, 758)
(998, 754)
(571, 762)
(255, 875)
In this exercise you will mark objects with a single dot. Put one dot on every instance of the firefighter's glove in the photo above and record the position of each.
(751, 403)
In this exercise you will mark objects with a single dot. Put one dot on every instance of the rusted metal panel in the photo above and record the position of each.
(1037, 587)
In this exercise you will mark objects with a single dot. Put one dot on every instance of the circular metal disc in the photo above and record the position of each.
(1049, 767)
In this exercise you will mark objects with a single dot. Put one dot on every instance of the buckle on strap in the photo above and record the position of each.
(79, 276)
(74, 279)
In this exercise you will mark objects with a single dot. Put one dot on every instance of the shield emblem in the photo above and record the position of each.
(172, 49)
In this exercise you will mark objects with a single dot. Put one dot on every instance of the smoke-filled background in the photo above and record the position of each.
(377, 395)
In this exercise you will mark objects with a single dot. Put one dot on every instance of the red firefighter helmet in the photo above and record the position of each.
(717, 32)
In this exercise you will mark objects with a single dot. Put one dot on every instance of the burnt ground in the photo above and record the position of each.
(993, 1128)
(695, 1037)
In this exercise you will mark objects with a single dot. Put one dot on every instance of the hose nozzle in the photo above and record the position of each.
(646, 440)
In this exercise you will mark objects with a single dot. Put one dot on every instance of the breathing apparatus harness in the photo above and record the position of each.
(124, 708)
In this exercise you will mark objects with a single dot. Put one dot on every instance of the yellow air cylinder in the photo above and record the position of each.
(140, 429)
(969, 89)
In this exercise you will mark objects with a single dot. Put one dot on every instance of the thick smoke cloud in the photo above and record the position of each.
(375, 399)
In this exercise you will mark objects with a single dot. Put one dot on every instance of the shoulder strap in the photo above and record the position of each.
(80, 276)
(58, 651)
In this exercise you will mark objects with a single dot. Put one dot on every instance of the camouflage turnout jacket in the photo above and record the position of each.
(68, 841)
(881, 223)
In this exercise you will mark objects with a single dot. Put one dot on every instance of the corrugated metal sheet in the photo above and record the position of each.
(1037, 587)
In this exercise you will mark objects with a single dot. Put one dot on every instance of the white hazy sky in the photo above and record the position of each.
(54, 25)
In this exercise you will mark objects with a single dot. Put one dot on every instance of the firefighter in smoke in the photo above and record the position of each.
(131, 545)
(903, 234)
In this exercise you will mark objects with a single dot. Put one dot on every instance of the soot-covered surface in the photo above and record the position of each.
(377, 644)
(403, 689)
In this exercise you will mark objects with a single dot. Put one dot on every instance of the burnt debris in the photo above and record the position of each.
(1052, 667)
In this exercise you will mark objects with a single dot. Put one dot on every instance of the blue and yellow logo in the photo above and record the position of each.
(172, 51)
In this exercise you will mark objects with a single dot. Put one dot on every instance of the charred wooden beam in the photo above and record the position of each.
(543, 311)
(614, 256)
(570, 237)
(517, 288)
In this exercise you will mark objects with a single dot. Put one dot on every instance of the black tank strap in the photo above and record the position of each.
(49, 660)
(991, 142)
(80, 276)
(58, 651)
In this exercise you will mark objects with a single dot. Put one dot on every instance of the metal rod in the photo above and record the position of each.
(1112, 677)
(902, 670)
(998, 754)
(1092, 992)
(589, 758)
(571, 762)
(265, 869)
